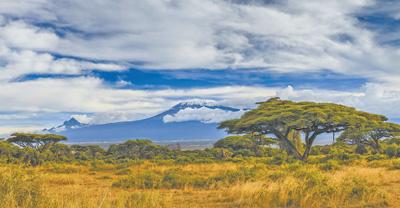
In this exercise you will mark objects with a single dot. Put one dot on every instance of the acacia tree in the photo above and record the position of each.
(282, 117)
(35, 141)
(370, 135)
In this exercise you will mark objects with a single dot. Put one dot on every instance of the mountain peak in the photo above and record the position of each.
(195, 103)
(72, 122)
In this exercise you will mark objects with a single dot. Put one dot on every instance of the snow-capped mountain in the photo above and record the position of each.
(192, 120)
(67, 125)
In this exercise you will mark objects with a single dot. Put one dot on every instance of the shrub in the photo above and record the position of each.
(233, 176)
(376, 157)
(391, 150)
(361, 149)
(395, 165)
(343, 156)
(147, 180)
(170, 179)
(330, 165)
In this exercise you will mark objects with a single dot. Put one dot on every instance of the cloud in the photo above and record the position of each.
(25, 49)
(289, 36)
(18, 34)
(91, 95)
(7, 130)
(373, 97)
(70, 37)
(203, 114)
(88, 95)
(82, 118)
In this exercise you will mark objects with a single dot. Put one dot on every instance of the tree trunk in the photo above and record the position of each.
(376, 145)
(306, 152)
(309, 143)
(291, 149)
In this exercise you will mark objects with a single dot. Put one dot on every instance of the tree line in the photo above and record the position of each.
(279, 129)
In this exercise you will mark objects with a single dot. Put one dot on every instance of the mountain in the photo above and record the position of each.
(67, 125)
(187, 121)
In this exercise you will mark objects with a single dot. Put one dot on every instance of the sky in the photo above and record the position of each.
(106, 61)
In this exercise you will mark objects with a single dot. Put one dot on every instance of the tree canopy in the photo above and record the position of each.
(35, 141)
(138, 149)
(282, 117)
(370, 134)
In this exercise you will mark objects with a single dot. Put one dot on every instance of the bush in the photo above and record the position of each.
(330, 165)
(391, 150)
(376, 157)
(146, 180)
(171, 179)
(139, 149)
(361, 149)
(233, 176)
(395, 165)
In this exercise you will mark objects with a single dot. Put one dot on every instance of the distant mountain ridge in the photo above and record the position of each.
(155, 128)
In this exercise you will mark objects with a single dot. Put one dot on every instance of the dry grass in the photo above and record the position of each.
(246, 184)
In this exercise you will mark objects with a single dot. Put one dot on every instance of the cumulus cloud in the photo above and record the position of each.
(289, 36)
(18, 34)
(372, 97)
(203, 114)
(6, 130)
(69, 37)
(91, 95)
(26, 49)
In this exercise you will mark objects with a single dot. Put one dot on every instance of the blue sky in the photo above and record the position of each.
(203, 78)
(115, 61)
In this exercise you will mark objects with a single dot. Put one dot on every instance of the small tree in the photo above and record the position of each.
(139, 149)
(235, 143)
(282, 117)
(35, 141)
(371, 134)
(246, 145)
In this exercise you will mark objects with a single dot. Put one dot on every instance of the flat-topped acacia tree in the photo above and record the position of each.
(35, 141)
(282, 117)
(370, 134)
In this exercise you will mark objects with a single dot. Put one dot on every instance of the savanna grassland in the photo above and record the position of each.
(269, 161)
(248, 182)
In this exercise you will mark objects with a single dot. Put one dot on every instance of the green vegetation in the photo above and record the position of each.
(282, 117)
(251, 169)
(35, 141)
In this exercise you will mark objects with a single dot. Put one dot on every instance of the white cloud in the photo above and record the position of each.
(18, 34)
(7, 130)
(18, 63)
(82, 118)
(203, 114)
(91, 95)
(373, 97)
(87, 95)
(26, 49)
(289, 36)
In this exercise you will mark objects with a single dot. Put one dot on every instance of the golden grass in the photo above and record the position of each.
(224, 184)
